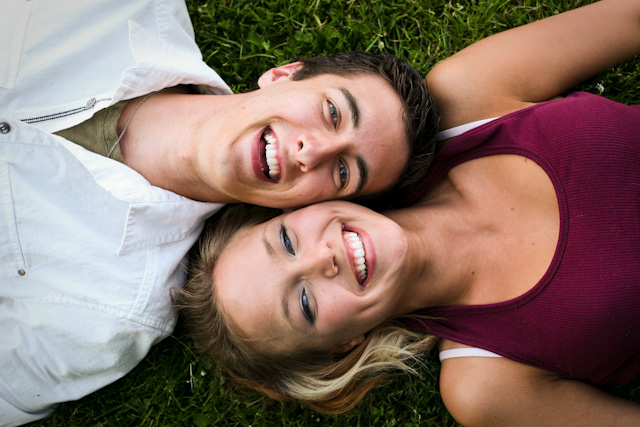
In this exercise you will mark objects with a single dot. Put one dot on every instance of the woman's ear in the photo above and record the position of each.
(278, 73)
(346, 347)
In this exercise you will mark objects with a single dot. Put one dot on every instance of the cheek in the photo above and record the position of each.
(340, 313)
(313, 187)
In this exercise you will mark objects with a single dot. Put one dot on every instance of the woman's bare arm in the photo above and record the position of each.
(535, 62)
(500, 392)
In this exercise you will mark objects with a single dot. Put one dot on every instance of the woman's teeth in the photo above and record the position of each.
(359, 262)
(271, 154)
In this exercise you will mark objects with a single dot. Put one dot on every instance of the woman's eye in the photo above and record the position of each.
(342, 173)
(306, 308)
(286, 242)
(333, 112)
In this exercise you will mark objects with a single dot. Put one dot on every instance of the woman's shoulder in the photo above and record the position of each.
(460, 101)
(475, 389)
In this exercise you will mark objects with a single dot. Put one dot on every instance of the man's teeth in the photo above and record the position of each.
(359, 261)
(271, 151)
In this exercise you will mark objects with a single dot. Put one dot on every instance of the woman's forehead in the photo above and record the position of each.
(249, 288)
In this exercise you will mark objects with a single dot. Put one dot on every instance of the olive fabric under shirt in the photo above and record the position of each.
(99, 133)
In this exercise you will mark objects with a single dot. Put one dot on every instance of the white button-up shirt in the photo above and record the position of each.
(89, 252)
(64, 60)
(88, 249)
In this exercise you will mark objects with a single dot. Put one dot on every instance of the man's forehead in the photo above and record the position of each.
(353, 80)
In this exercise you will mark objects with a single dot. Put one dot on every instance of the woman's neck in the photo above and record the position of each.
(442, 237)
(486, 233)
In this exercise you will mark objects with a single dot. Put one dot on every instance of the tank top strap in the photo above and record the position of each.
(459, 130)
(466, 352)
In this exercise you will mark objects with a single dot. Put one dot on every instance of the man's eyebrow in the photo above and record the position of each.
(363, 169)
(353, 106)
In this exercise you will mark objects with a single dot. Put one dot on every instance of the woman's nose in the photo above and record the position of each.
(323, 260)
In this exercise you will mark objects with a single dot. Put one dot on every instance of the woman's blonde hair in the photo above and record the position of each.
(327, 383)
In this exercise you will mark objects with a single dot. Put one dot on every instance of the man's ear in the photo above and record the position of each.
(278, 73)
(346, 347)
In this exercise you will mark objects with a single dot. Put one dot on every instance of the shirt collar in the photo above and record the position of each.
(160, 64)
(155, 215)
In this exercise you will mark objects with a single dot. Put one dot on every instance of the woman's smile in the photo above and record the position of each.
(361, 254)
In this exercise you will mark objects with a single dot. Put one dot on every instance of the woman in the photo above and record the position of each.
(520, 252)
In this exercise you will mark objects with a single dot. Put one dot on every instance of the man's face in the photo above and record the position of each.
(293, 143)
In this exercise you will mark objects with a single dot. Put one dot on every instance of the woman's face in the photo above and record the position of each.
(317, 278)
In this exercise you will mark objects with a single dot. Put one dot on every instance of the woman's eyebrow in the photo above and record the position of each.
(285, 309)
(267, 246)
(285, 300)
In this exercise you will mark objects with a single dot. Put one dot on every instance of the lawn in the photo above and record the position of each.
(242, 39)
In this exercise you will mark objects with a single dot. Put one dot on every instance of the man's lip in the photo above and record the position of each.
(258, 159)
(369, 254)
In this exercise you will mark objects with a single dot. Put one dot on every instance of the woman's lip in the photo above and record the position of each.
(257, 156)
(369, 254)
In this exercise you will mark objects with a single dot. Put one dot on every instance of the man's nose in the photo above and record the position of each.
(313, 150)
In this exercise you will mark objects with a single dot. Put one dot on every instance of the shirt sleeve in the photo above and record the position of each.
(56, 351)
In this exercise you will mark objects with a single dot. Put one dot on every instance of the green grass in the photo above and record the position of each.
(241, 40)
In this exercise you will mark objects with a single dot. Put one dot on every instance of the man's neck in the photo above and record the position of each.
(159, 142)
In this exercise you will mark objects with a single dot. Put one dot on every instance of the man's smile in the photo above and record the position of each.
(268, 163)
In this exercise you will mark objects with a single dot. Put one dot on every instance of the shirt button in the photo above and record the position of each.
(4, 127)
(21, 272)
(91, 103)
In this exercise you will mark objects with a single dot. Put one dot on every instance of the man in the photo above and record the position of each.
(90, 248)
(341, 129)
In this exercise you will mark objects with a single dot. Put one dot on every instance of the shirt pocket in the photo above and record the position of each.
(14, 19)
(12, 262)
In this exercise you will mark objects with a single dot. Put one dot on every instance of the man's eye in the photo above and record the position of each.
(333, 112)
(342, 173)
(305, 307)
(286, 242)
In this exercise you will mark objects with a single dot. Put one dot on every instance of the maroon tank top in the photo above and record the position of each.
(582, 319)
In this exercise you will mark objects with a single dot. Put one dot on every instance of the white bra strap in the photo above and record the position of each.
(466, 352)
(459, 130)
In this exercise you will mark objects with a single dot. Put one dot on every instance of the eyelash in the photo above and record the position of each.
(285, 241)
(333, 111)
(304, 306)
(342, 173)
